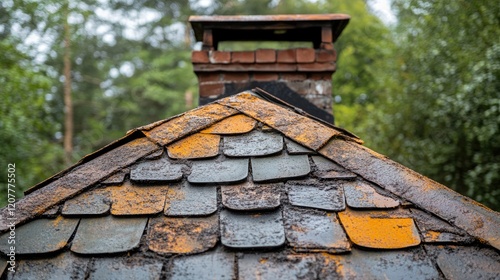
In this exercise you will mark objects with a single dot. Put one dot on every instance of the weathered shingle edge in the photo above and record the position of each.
(75, 180)
(461, 211)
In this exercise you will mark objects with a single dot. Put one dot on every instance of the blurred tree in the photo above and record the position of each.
(445, 120)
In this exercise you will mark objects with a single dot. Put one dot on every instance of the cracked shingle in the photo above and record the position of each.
(361, 195)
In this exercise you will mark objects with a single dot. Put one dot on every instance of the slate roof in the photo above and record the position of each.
(247, 188)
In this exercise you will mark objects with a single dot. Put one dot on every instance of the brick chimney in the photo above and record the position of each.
(299, 76)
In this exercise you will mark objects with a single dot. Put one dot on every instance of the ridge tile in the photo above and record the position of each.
(185, 199)
(183, 235)
(237, 124)
(108, 235)
(255, 143)
(40, 236)
(160, 170)
(195, 146)
(211, 265)
(312, 194)
(93, 202)
(280, 167)
(214, 171)
(250, 196)
(259, 230)
(314, 231)
(359, 194)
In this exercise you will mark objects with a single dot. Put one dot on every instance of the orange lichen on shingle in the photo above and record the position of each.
(233, 125)
(381, 233)
(198, 145)
(182, 235)
(137, 200)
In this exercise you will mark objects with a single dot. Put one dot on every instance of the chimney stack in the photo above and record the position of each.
(299, 76)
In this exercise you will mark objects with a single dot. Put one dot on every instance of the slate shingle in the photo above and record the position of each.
(327, 169)
(226, 171)
(435, 230)
(269, 266)
(187, 200)
(161, 170)
(314, 231)
(107, 235)
(125, 269)
(326, 196)
(250, 196)
(64, 266)
(40, 236)
(183, 235)
(280, 167)
(259, 230)
(131, 199)
(198, 145)
(255, 143)
(296, 149)
(212, 265)
(93, 202)
(359, 194)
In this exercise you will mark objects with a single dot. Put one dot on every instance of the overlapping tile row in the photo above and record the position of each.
(290, 213)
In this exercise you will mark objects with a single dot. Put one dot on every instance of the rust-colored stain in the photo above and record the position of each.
(192, 121)
(304, 130)
(233, 125)
(137, 200)
(198, 145)
(182, 235)
(380, 233)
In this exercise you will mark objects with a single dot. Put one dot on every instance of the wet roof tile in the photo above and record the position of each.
(225, 171)
(314, 231)
(468, 262)
(237, 124)
(187, 200)
(130, 199)
(112, 268)
(93, 202)
(280, 167)
(255, 143)
(109, 234)
(251, 196)
(40, 236)
(262, 230)
(326, 196)
(434, 229)
(161, 170)
(328, 169)
(296, 149)
(63, 266)
(183, 235)
(199, 145)
(212, 265)
(269, 266)
(118, 177)
(381, 233)
(394, 264)
(361, 195)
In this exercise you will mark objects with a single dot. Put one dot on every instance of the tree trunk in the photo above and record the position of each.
(68, 105)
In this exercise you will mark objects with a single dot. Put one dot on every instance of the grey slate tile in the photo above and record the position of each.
(280, 167)
(213, 171)
(64, 266)
(53, 212)
(328, 169)
(3, 265)
(93, 202)
(435, 230)
(262, 230)
(359, 194)
(160, 170)
(187, 200)
(313, 194)
(250, 196)
(272, 267)
(468, 262)
(107, 235)
(212, 265)
(408, 264)
(254, 143)
(123, 269)
(40, 236)
(296, 149)
(314, 231)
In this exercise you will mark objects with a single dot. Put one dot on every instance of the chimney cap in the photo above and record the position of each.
(298, 27)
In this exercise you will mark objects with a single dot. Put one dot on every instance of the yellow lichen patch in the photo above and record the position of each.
(233, 125)
(381, 233)
(195, 146)
(187, 123)
(137, 200)
(301, 129)
(182, 235)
